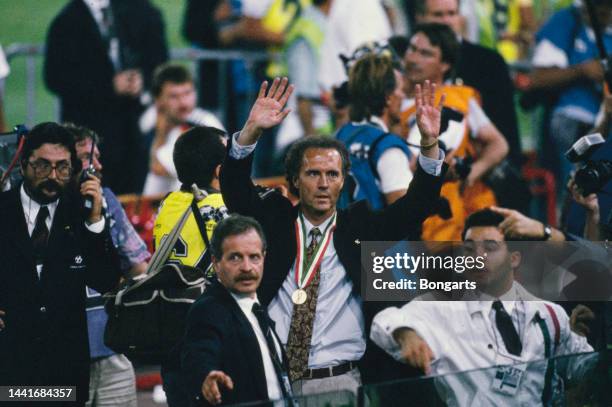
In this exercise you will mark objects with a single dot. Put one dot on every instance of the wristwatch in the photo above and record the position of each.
(547, 232)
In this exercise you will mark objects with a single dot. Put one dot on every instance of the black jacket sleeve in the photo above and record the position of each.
(103, 267)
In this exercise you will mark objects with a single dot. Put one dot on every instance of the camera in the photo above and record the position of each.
(594, 174)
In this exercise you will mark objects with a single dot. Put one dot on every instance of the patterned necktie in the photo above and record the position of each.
(507, 329)
(266, 327)
(40, 234)
(302, 320)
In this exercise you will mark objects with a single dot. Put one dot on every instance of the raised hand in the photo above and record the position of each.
(428, 115)
(267, 111)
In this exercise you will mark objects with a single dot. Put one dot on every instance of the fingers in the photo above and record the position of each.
(280, 89)
(283, 114)
(262, 89)
(273, 88)
(418, 97)
(502, 211)
(2, 325)
(432, 93)
(227, 382)
(285, 97)
(441, 102)
(210, 387)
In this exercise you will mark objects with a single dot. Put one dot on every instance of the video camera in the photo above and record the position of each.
(594, 174)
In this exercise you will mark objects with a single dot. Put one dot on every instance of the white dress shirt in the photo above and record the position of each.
(463, 336)
(246, 305)
(30, 211)
(338, 333)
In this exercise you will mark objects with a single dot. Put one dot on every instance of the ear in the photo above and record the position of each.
(515, 259)
(217, 171)
(445, 68)
(296, 182)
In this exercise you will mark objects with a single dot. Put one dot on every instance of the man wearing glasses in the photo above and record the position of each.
(51, 248)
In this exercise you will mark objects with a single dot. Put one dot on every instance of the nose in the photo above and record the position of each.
(53, 174)
(323, 182)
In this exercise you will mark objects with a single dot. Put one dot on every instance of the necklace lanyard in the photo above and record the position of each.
(304, 272)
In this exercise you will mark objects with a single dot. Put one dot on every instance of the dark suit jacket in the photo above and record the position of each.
(355, 224)
(78, 70)
(45, 341)
(486, 71)
(218, 336)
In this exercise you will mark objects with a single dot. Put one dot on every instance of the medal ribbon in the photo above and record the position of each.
(304, 273)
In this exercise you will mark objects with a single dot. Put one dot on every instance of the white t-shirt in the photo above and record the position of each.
(4, 66)
(351, 24)
(453, 135)
(158, 184)
(255, 8)
(4, 71)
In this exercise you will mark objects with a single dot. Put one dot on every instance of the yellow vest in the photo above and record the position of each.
(472, 199)
(189, 248)
(280, 17)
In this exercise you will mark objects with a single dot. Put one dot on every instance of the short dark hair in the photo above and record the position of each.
(483, 217)
(49, 133)
(399, 44)
(197, 153)
(295, 157)
(371, 81)
(231, 226)
(169, 72)
(420, 7)
(443, 37)
(82, 133)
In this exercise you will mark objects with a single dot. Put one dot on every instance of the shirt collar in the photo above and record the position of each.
(322, 226)
(97, 5)
(31, 207)
(484, 302)
(376, 121)
(245, 302)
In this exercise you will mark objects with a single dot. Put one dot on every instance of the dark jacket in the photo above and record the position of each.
(356, 224)
(79, 71)
(45, 341)
(487, 72)
(218, 336)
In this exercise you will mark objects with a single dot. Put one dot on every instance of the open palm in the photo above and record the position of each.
(267, 111)
(428, 115)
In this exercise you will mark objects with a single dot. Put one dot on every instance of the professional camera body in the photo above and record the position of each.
(593, 175)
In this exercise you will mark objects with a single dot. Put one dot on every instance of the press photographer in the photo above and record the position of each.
(49, 254)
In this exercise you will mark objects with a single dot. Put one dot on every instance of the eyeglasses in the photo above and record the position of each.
(43, 169)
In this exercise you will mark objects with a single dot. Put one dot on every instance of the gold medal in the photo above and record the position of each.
(299, 296)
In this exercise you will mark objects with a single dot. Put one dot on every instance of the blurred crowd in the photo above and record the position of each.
(415, 106)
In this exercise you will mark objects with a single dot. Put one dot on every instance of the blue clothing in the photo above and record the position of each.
(568, 34)
(366, 143)
(132, 250)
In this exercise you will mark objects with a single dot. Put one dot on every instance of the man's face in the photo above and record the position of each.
(176, 101)
(442, 12)
(241, 267)
(46, 188)
(83, 150)
(489, 242)
(424, 61)
(320, 180)
(394, 100)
